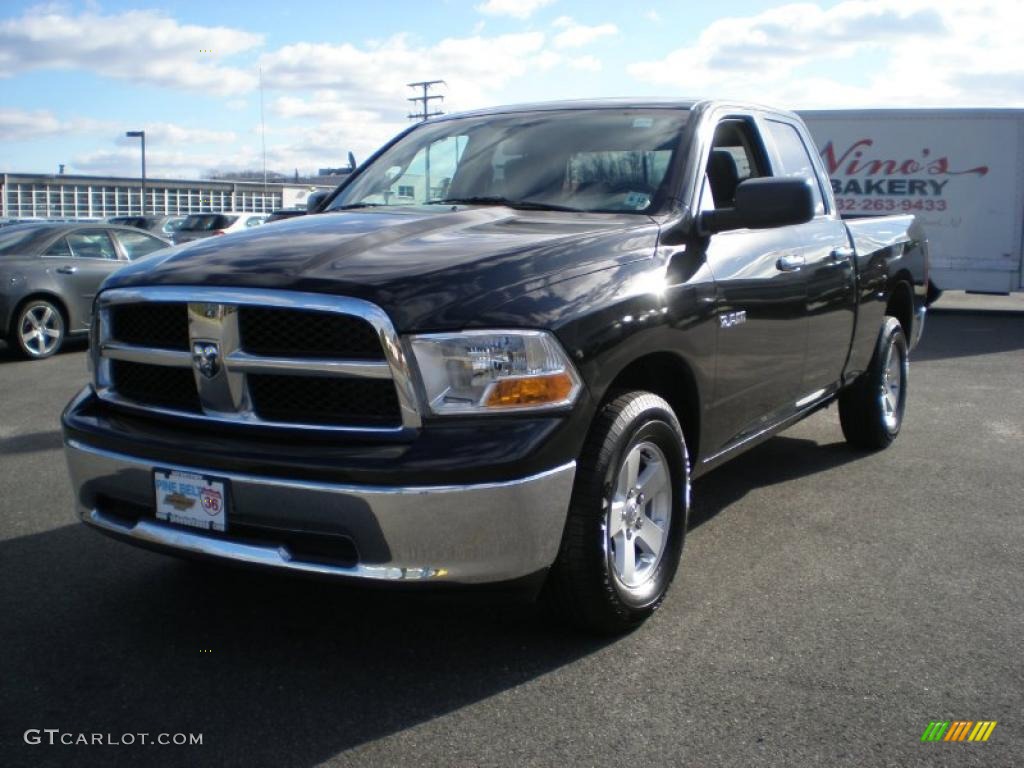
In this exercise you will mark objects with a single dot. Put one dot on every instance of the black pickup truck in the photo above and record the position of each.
(499, 352)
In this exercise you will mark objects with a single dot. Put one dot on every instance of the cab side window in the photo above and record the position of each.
(736, 155)
(795, 159)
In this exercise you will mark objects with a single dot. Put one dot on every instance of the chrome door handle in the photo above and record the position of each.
(842, 254)
(67, 270)
(789, 263)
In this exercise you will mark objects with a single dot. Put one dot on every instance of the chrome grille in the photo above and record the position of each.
(162, 325)
(157, 385)
(344, 368)
(322, 400)
(299, 333)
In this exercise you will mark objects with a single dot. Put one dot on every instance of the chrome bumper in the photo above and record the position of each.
(464, 534)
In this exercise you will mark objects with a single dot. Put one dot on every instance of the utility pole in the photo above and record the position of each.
(426, 98)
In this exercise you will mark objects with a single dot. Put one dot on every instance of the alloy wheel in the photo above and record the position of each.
(41, 329)
(892, 387)
(639, 515)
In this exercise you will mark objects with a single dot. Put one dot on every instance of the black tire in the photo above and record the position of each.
(31, 315)
(583, 587)
(871, 420)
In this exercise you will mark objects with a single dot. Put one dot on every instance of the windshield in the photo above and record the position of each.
(17, 239)
(607, 160)
(207, 222)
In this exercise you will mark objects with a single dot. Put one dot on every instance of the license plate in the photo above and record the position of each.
(187, 498)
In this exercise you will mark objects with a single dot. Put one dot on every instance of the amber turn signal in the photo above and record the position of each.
(531, 390)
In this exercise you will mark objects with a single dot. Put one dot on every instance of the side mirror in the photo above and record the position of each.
(314, 200)
(761, 204)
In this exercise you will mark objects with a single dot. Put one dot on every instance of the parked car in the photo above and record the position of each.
(49, 275)
(285, 213)
(162, 226)
(510, 369)
(200, 225)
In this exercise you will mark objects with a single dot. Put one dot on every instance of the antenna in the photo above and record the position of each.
(426, 99)
(263, 138)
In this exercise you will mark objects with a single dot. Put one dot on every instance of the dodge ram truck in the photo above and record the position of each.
(499, 352)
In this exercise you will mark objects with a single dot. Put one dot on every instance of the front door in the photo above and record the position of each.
(760, 299)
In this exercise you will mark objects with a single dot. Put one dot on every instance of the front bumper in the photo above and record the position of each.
(489, 532)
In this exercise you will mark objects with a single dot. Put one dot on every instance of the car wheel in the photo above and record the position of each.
(624, 533)
(871, 410)
(38, 329)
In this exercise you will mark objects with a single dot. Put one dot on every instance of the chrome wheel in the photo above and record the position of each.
(892, 387)
(639, 515)
(41, 329)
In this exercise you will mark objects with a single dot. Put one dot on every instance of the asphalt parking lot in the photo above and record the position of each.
(830, 605)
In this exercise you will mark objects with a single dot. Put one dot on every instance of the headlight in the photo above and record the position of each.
(483, 371)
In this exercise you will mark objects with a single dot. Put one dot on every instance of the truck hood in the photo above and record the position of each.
(417, 263)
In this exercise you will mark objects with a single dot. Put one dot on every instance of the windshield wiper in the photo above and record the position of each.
(525, 205)
(353, 206)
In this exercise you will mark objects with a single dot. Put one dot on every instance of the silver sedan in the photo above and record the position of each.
(50, 273)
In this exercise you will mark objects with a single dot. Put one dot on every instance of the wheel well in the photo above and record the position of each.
(901, 303)
(669, 377)
(53, 299)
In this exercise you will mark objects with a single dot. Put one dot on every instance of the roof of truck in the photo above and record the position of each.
(612, 103)
(608, 103)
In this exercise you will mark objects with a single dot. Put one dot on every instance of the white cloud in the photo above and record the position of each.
(652, 15)
(375, 76)
(575, 35)
(170, 133)
(585, 64)
(322, 106)
(305, 151)
(917, 53)
(518, 9)
(333, 128)
(162, 162)
(24, 125)
(140, 46)
(171, 150)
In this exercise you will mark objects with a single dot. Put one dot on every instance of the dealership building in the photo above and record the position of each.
(39, 196)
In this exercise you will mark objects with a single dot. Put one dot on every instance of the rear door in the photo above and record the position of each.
(82, 260)
(826, 262)
(760, 299)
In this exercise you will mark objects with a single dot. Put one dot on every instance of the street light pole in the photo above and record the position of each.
(141, 135)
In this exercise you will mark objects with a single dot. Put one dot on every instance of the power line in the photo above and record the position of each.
(425, 99)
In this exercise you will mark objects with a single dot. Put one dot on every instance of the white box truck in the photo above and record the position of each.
(961, 171)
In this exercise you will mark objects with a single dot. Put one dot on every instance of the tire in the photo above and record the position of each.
(592, 584)
(871, 409)
(39, 330)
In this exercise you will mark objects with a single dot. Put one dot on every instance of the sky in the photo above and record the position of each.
(75, 76)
